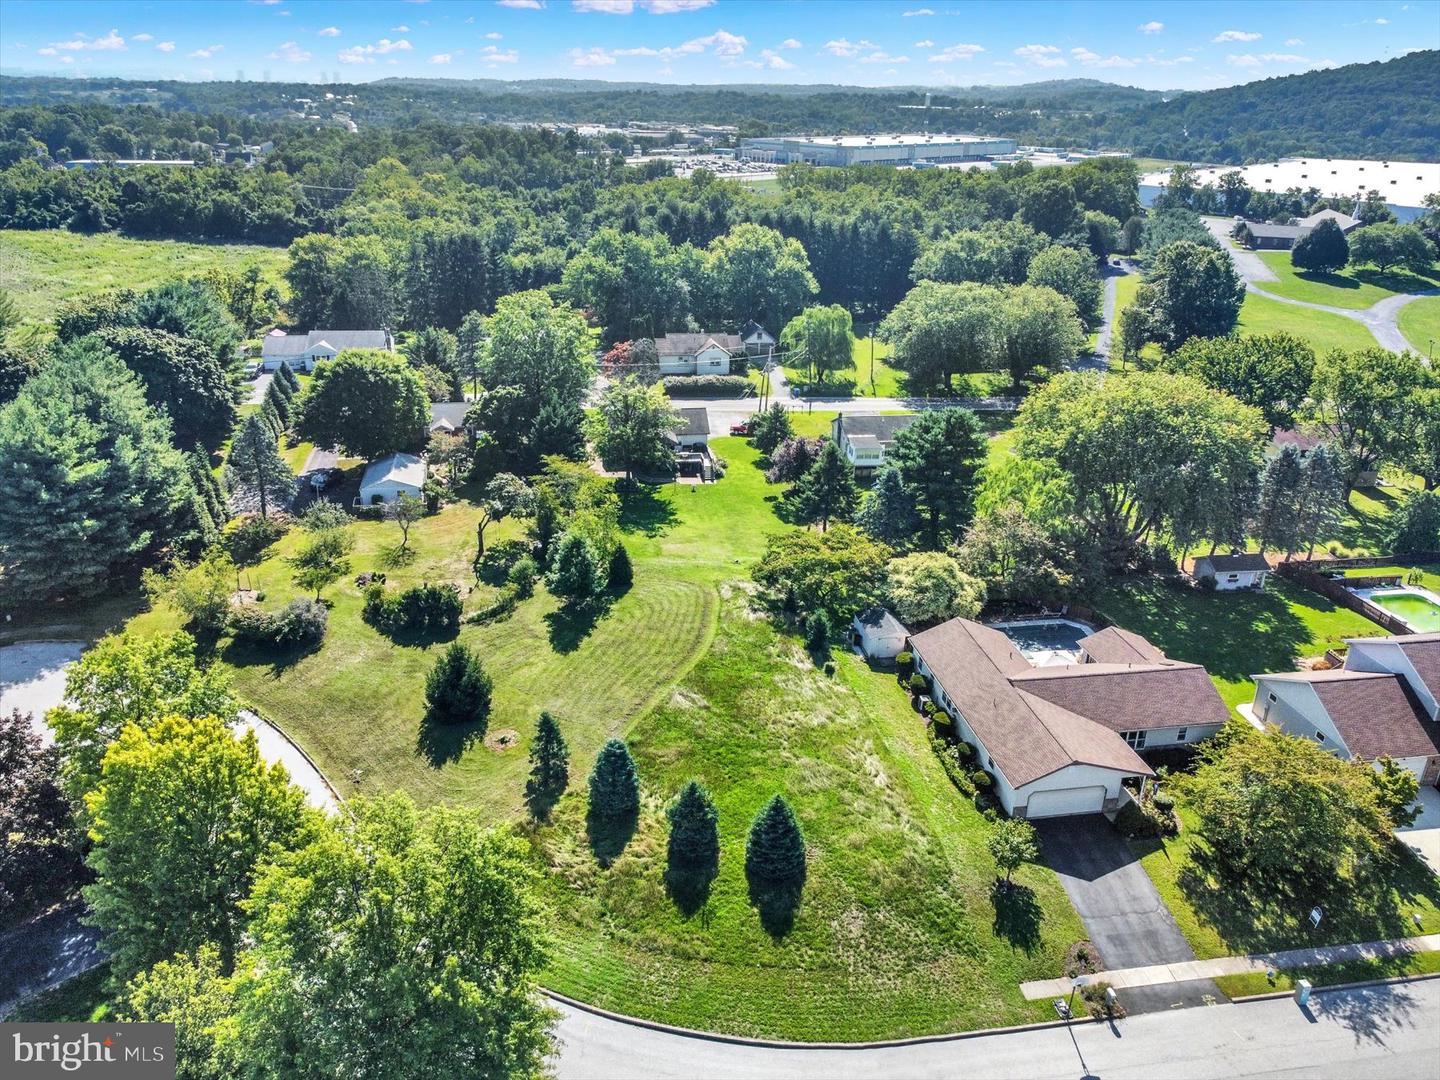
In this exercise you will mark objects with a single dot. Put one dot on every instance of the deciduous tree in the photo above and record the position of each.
(632, 428)
(366, 402)
(841, 570)
(1012, 843)
(929, 587)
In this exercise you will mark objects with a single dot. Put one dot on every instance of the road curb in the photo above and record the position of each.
(781, 1044)
(339, 799)
(1388, 981)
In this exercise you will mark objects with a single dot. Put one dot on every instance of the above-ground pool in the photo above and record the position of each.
(1045, 642)
(1420, 608)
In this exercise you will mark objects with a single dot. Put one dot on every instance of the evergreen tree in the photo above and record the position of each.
(939, 456)
(775, 849)
(257, 466)
(771, 428)
(828, 490)
(549, 765)
(458, 689)
(575, 574)
(1277, 519)
(285, 374)
(614, 783)
(817, 631)
(622, 572)
(693, 854)
(888, 512)
(1322, 500)
(279, 401)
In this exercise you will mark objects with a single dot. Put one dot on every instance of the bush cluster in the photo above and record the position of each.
(1137, 819)
(705, 385)
(300, 622)
(421, 609)
(954, 761)
(501, 607)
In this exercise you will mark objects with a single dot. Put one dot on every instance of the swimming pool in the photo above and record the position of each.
(1420, 608)
(1045, 642)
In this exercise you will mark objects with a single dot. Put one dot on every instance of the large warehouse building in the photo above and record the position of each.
(874, 149)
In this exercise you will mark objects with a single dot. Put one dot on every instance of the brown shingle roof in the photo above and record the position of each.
(1423, 652)
(1377, 714)
(1130, 697)
(1115, 646)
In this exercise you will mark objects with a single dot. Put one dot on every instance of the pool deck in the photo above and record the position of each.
(1041, 654)
(1377, 593)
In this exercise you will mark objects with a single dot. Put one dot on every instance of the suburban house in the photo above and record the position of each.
(1385, 702)
(878, 634)
(697, 354)
(864, 439)
(1266, 237)
(695, 430)
(756, 339)
(448, 416)
(302, 351)
(1232, 571)
(1061, 739)
(1347, 223)
(1115, 646)
(391, 476)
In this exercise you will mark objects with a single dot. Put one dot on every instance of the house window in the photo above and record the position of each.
(1271, 697)
(1180, 735)
(1319, 736)
(1133, 739)
(989, 762)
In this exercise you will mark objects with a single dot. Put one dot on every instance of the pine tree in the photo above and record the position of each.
(277, 399)
(775, 849)
(575, 575)
(549, 763)
(888, 512)
(614, 783)
(817, 632)
(1322, 500)
(828, 489)
(207, 486)
(1277, 521)
(257, 466)
(622, 571)
(286, 374)
(458, 689)
(694, 850)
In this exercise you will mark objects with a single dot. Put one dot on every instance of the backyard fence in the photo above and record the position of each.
(1339, 591)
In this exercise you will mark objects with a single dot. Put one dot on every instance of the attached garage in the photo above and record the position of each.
(1087, 800)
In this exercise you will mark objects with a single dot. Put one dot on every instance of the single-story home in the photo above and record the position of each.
(756, 339)
(391, 476)
(1347, 223)
(878, 634)
(1263, 236)
(448, 416)
(865, 438)
(1232, 571)
(1113, 645)
(1061, 739)
(697, 354)
(302, 351)
(694, 431)
(1385, 702)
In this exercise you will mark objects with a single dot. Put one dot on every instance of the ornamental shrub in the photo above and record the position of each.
(982, 780)
(614, 783)
(457, 690)
(300, 622)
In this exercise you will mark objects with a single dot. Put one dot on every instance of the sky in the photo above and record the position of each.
(1156, 45)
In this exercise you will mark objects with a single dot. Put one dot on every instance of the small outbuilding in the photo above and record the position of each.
(878, 634)
(1232, 571)
(391, 476)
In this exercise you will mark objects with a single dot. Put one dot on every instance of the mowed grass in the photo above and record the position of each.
(1426, 575)
(895, 934)
(888, 381)
(1234, 634)
(43, 268)
(1323, 330)
(1375, 967)
(1351, 287)
(1419, 321)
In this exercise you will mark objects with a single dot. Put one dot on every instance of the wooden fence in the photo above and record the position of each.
(1338, 590)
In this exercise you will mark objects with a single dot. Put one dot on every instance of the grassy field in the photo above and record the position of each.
(1426, 574)
(1419, 321)
(889, 382)
(1235, 634)
(1321, 329)
(42, 268)
(1352, 287)
(1426, 963)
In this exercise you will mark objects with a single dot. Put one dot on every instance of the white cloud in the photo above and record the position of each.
(365, 54)
(1235, 35)
(847, 48)
(492, 54)
(604, 7)
(882, 57)
(206, 53)
(926, 44)
(722, 43)
(671, 7)
(790, 43)
(291, 53)
(401, 29)
(1294, 41)
(1041, 55)
(1085, 56)
(67, 59)
(592, 57)
(774, 60)
(1094, 59)
(1162, 61)
(442, 58)
(111, 42)
(1151, 27)
(494, 36)
(142, 37)
(531, 5)
(329, 31)
(956, 52)
(917, 11)
(47, 51)
(165, 46)
(1382, 22)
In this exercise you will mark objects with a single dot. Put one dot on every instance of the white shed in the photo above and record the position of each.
(391, 476)
(1233, 571)
(878, 634)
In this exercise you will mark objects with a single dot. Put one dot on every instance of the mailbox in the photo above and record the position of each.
(1302, 992)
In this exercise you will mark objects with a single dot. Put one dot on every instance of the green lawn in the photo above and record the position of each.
(42, 268)
(1322, 329)
(1352, 287)
(889, 381)
(1425, 963)
(1235, 634)
(1427, 574)
(1419, 321)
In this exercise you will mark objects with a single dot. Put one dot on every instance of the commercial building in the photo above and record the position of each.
(874, 149)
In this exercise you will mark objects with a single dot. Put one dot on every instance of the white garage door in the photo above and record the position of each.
(1086, 800)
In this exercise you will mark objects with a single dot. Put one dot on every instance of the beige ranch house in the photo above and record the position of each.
(302, 351)
(697, 354)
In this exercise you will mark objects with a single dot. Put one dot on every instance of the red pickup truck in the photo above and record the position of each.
(742, 428)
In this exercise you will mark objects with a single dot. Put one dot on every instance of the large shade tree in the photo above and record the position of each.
(753, 272)
(181, 377)
(367, 402)
(633, 428)
(942, 330)
(1191, 290)
(823, 340)
(1273, 372)
(1363, 400)
(634, 283)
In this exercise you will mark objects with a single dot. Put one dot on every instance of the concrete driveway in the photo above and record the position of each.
(32, 678)
(1122, 912)
(1423, 837)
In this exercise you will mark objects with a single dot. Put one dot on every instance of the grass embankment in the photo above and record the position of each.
(43, 268)
(1352, 287)
(1252, 983)
(1419, 321)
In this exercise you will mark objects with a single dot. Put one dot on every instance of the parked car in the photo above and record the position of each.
(320, 479)
(742, 428)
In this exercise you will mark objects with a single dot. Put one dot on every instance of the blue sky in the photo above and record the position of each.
(929, 42)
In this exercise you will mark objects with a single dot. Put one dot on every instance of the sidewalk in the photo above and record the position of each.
(1158, 974)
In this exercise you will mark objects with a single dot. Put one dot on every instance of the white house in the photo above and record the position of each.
(391, 476)
(878, 634)
(1232, 571)
(756, 339)
(694, 434)
(1385, 702)
(865, 438)
(448, 416)
(697, 354)
(302, 351)
(1061, 739)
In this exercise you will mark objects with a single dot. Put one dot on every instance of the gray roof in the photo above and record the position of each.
(690, 344)
(881, 427)
(1232, 564)
(449, 414)
(697, 422)
(1345, 221)
(400, 468)
(878, 620)
(280, 345)
(1263, 230)
(753, 329)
